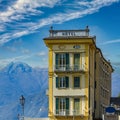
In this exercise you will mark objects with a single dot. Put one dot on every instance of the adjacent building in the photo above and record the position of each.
(79, 76)
(115, 102)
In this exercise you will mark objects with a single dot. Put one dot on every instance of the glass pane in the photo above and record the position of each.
(62, 82)
(76, 61)
(62, 103)
(76, 106)
(62, 61)
(77, 82)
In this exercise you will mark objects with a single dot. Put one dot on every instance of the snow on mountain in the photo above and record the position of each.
(18, 79)
(17, 67)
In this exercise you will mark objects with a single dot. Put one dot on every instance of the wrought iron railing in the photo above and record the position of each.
(64, 112)
(68, 68)
(69, 33)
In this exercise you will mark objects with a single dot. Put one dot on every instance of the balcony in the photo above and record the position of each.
(64, 112)
(69, 69)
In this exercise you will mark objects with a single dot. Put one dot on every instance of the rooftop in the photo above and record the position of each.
(69, 33)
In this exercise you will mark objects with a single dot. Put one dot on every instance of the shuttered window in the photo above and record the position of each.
(62, 105)
(76, 82)
(62, 82)
(56, 60)
(62, 61)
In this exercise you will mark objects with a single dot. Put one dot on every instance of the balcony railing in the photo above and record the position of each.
(67, 68)
(64, 112)
(69, 33)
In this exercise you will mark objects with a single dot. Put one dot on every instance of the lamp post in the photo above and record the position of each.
(22, 102)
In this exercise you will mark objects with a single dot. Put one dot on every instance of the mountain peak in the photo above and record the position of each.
(15, 67)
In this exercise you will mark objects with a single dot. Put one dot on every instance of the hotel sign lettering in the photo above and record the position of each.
(69, 33)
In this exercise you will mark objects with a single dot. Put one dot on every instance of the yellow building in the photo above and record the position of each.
(73, 80)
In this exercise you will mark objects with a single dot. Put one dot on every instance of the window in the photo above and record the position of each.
(76, 106)
(61, 61)
(62, 82)
(62, 106)
(76, 61)
(76, 82)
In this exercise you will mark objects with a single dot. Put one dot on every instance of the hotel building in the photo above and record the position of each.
(79, 76)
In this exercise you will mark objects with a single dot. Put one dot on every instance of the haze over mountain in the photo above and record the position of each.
(18, 79)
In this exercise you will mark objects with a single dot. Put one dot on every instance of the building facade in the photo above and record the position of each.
(74, 81)
(103, 70)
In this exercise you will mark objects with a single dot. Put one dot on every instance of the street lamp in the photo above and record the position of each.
(22, 102)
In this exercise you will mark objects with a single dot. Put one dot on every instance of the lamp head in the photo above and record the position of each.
(22, 100)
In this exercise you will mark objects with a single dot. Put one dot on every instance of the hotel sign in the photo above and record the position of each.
(69, 33)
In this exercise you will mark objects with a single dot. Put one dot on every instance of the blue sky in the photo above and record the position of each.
(24, 24)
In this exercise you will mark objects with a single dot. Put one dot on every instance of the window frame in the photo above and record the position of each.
(62, 61)
(76, 61)
(62, 82)
(76, 82)
(62, 105)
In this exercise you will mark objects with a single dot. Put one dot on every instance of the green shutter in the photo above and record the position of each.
(67, 60)
(79, 81)
(67, 103)
(56, 60)
(57, 82)
(57, 105)
(67, 82)
(67, 106)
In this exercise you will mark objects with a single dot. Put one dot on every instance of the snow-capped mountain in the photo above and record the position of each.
(18, 79)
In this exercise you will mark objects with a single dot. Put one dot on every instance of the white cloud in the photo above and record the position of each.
(111, 42)
(2, 28)
(42, 53)
(72, 14)
(25, 51)
(12, 49)
(22, 7)
(26, 57)
(4, 62)
(12, 35)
